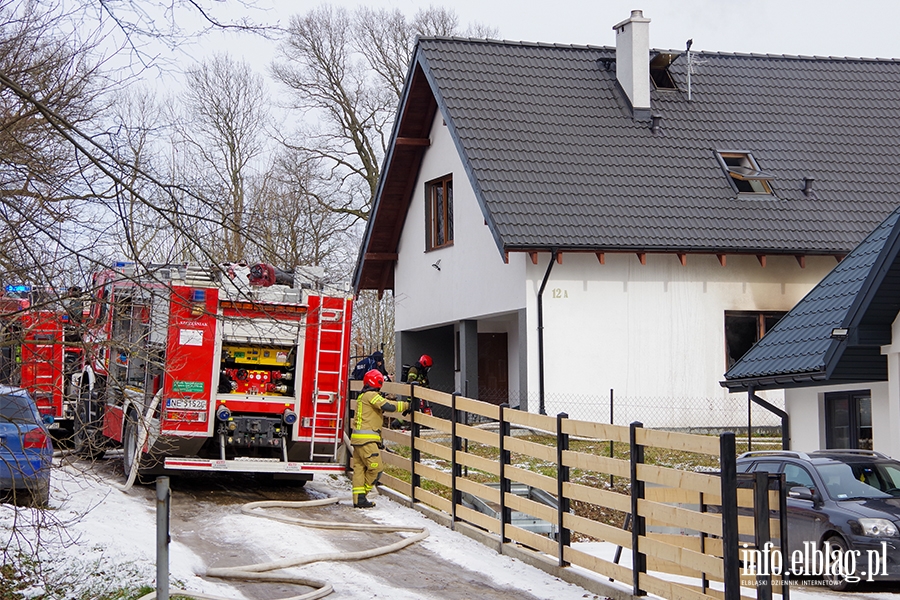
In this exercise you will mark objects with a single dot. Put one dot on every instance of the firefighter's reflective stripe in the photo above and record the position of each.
(365, 436)
(370, 408)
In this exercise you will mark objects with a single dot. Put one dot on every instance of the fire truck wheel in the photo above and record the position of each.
(85, 437)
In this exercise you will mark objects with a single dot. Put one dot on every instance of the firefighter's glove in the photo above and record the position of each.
(408, 410)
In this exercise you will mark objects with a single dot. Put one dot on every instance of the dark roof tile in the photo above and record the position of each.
(537, 120)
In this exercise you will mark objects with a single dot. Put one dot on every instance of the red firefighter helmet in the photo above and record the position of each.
(373, 379)
(426, 361)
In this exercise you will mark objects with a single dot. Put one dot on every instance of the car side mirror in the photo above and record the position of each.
(801, 492)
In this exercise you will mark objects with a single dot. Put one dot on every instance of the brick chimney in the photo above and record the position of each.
(633, 62)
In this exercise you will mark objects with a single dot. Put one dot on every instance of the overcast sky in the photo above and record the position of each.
(866, 28)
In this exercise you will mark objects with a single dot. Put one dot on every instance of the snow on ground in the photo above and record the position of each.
(110, 536)
(103, 533)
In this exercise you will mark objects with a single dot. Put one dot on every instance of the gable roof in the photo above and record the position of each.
(861, 295)
(557, 160)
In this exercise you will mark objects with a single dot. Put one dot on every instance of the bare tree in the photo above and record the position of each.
(226, 105)
(41, 181)
(139, 141)
(347, 71)
(292, 227)
(373, 327)
(387, 38)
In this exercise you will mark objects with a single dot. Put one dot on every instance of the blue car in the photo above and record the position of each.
(26, 450)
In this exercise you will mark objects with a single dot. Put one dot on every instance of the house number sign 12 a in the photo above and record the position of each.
(560, 293)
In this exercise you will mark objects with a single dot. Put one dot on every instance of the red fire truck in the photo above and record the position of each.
(39, 349)
(235, 368)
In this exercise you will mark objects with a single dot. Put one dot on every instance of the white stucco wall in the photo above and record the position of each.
(806, 407)
(653, 332)
(887, 414)
(473, 280)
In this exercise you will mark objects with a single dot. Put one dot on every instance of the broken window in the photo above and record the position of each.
(745, 328)
(439, 213)
(744, 173)
(659, 72)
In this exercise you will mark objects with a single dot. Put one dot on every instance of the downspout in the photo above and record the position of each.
(785, 419)
(540, 316)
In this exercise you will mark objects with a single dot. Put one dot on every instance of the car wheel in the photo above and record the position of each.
(40, 493)
(836, 582)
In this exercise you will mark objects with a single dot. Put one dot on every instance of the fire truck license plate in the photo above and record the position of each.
(185, 403)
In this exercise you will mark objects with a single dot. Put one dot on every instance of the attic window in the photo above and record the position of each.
(744, 173)
(659, 72)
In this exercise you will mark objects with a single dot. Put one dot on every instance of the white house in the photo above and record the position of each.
(556, 222)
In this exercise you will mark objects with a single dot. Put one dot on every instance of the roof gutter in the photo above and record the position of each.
(776, 382)
(540, 316)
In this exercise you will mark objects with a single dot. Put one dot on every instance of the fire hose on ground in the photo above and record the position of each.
(262, 572)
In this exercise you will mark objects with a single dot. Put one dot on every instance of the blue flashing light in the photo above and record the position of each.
(18, 289)
(122, 263)
(198, 295)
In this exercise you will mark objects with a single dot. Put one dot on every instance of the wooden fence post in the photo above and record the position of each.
(505, 485)
(638, 523)
(562, 478)
(414, 453)
(730, 550)
(455, 469)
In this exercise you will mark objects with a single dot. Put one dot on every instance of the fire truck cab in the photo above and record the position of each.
(235, 368)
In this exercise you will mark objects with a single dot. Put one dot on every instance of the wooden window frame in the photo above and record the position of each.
(436, 216)
(747, 176)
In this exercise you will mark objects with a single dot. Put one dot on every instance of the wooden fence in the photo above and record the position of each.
(688, 529)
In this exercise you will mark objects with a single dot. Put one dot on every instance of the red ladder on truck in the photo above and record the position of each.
(332, 324)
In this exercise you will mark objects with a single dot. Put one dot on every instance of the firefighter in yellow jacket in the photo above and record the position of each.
(366, 436)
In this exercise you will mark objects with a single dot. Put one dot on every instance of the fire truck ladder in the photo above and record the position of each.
(333, 322)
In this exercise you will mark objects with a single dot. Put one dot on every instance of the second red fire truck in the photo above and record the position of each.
(235, 368)
(39, 348)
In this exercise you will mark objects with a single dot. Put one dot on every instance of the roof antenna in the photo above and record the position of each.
(690, 43)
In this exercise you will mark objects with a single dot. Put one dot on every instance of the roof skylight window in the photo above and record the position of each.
(659, 72)
(744, 173)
